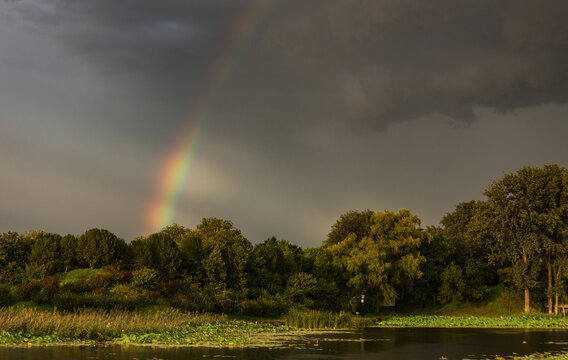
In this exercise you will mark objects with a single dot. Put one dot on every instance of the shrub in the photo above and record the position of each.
(50, 286)
(5, 296)
(453, 285)
(27, 291)
(101, 281)
(145, 279)
(77, 287)
(265, 305)
(170, 288)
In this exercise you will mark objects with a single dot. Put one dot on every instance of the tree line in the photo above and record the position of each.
(516, 238)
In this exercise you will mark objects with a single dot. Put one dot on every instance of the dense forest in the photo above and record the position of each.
(517, 238)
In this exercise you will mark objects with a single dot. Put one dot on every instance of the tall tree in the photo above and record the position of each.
(352, 222)
(68, 249)
(522, 207)
(271, 263)
(45, 251)
(470, 251)
(100, 247)
(14, 251)
(384, 263)
(166, 258)
(224, 251)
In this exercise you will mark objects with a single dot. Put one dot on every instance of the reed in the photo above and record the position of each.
(94, 324)
(317, 319)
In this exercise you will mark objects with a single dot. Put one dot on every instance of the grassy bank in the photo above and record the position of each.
(165, 326)
(514, 321)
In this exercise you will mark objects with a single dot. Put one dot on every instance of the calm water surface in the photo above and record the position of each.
(372, 343)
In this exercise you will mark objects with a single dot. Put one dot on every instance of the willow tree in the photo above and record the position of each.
(384, 262)
(526, 210)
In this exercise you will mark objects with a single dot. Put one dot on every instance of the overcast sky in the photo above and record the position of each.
(331, 106)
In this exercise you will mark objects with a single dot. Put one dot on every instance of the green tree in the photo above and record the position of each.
(470, 251)
(271, 263)
(69, 250)
(141, 253)
(385, 263)
(438, 251)
(453, 285)
(14, 252)
(45, 251)
(524, 208)
(100, 247)
(555, 226)
(224, 251)
(352, 222)
(165, 255)
(331, 287)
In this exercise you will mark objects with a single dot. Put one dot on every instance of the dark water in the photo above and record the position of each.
(413, 343)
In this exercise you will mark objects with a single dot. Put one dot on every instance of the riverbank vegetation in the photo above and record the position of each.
(513, 245)
(514, 321)
(167, 326)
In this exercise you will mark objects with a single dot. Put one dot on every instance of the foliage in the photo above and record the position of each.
(224, 251)
(14, 252)
(271, 263)
(159, 252)
(453, 285)
(517, 238)
(26, 291)
(352, 222)
(100, 247)
(44, 251)
(145, 279)
(385, 263)
(68, 246)
(523, 208)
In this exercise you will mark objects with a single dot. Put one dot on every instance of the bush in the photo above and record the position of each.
(50, 286)
(102, 281)
(145, 279)
(453, 285)
(170, 288)
(265, 305)
(27, 291)
(79, 286)
(5, 296)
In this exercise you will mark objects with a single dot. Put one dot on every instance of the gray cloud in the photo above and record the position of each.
(329, 106)
(369, 63)
(399, 60)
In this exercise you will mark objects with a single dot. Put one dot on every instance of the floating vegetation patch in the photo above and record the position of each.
(520, 321)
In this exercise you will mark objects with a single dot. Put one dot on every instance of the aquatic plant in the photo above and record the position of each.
(519, 321)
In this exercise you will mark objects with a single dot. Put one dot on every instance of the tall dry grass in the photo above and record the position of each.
(317, 319)
(93, 324)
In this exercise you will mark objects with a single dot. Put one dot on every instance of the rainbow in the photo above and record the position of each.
(176, 167)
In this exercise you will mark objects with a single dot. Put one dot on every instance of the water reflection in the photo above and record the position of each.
(372, 343)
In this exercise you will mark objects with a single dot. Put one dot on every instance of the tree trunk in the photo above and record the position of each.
(549, 283)
(527, 294)
(556, 279)
(527, 301)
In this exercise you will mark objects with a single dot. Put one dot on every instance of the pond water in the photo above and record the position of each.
(371, 343)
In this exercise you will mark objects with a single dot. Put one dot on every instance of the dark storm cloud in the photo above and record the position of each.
(366, 62)
(398, 60)
(156, 52)
(313, 118)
